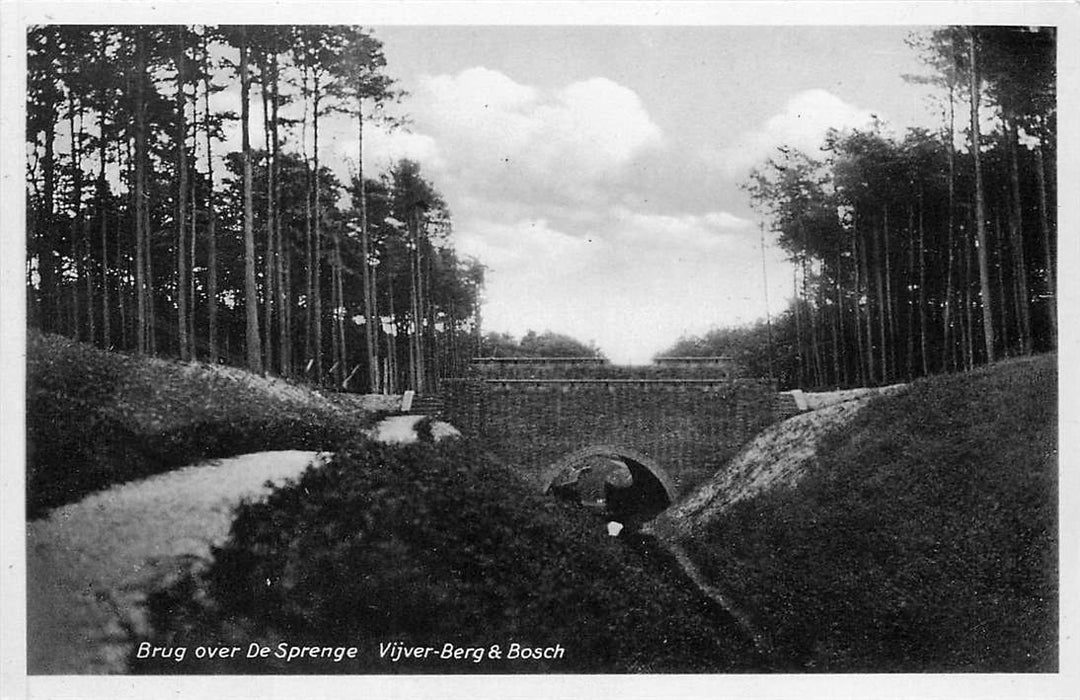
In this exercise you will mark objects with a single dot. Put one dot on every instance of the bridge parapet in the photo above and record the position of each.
(599, 368)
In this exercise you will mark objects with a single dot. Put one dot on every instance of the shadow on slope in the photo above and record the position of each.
(920, 535)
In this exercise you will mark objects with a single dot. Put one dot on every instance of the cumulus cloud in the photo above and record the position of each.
(514, 139)
(383, 148)
(802, 124)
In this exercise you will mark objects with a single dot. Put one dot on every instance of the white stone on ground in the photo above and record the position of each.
(402, 429)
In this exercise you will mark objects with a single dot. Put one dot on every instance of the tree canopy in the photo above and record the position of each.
(146, 233)
(919, 252)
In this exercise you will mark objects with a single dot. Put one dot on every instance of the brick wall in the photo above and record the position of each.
(688, 426)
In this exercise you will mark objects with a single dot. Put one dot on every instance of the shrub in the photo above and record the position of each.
(96, 418)
(428, 545)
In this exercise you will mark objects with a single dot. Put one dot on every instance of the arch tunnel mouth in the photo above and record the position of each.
(612, 484)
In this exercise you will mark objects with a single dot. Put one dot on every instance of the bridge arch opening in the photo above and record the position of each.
(617, 484)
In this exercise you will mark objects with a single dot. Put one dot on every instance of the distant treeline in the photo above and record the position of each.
(919, 253)
(533, 344)
(144, 235)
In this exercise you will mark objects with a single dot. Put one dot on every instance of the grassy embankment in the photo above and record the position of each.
(922, 537)
(97, 418)
(424, 544)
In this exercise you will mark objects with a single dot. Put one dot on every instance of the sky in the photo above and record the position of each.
(596, 170)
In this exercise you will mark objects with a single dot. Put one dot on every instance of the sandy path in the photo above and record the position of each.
(90, 563)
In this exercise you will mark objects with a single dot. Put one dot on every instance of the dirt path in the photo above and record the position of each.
(90, 563)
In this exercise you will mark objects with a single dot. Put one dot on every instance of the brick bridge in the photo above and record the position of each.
(672, 423)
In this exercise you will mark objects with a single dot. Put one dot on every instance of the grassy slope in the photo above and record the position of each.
(924, 540)
(96, 418)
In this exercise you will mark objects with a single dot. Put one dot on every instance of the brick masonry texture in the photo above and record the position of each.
(689, 426)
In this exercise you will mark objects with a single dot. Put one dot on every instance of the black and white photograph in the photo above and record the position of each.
(539, 349)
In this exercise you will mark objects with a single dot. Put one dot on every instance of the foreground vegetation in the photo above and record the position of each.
(96, 418)
(924, 541)
(426, 546)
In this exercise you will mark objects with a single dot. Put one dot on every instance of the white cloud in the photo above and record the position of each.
(383, 148)
(806, 117)
(627, 280)
(523, 142)
(684, 235)
(726, 220)
(524, 247)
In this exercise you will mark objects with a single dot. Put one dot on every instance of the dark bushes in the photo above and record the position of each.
(429, 545)
(96, 418)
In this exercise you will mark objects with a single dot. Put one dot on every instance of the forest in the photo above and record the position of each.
(922, 252)
(915, 253)
(146, 234)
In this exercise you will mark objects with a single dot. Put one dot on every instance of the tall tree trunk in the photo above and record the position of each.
(142, 326)
(837, 325)
(284, 293)
(768, 314)
(883, 310)
(1002, 251)
(106, 309)
(317, 225)
(980, 203)
(391, 341)
(269, 293)
(871, 370)
(84, 227)
(890, 298)
(1047, 239)
(370, 332)
(909, 331)
(969, 319)
(192, 236)
(339, 314)
(211, 224)
(103, 188)
(860, 372)
(948, 347)
(252, 344)
(125, 286)
(923, 352)
(49, 311)
(181, 202)
(1016, 225)
(76, 218)
(416, 335)
(309, 242)
(800, 380)
(335, 307)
